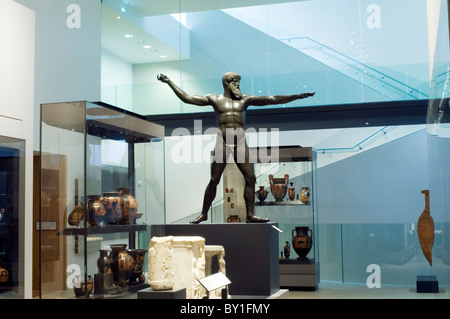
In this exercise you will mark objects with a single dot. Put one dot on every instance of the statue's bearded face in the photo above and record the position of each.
(233, 85)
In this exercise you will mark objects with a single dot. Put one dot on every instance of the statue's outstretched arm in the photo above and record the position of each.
(183, 96)
(277, 99)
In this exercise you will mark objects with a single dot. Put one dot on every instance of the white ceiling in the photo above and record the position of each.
(116, 24)
(160, 7)
(133, 49)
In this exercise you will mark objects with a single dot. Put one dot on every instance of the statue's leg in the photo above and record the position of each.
(210, 192)
(248, 171)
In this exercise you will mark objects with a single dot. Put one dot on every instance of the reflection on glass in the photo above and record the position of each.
(346, 51)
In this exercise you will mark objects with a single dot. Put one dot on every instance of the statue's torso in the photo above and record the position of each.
(230, 113)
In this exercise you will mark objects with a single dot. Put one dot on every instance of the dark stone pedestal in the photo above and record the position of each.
(299, 274)
(103, 283)
(251, 252)
(149, 293)
(427, 283)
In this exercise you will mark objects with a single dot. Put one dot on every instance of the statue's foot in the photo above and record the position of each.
(256, 219)
(199, 219)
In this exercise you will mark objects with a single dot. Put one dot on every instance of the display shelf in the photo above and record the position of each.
(283, 203)
(102, 229)
(119, 292)
(303, 261)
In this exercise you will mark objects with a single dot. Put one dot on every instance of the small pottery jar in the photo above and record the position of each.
(261, 194)
(304, 195)
(121, 264)
(96, 211)
(291, 192)
(81, 289)
(4, 275)
(113, 206)
(302, 241)
(287, 250)
(104, 262)
(125, 263)
(130, 205)
(278, 186)
(233, 219)
(137, 269)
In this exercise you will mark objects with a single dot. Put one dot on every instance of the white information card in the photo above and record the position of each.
(214, 281)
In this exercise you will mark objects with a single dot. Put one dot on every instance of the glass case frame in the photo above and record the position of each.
(87, 151)
(12, 212)
(295, 211)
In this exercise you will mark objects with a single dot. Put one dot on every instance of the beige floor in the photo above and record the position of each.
(333, 290)
(329, 290)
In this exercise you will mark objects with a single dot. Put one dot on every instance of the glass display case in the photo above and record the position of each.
(287, 195)
(12, 168)
(93, 180)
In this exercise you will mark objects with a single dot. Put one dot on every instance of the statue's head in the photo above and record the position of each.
(229, 80)
(228, 77)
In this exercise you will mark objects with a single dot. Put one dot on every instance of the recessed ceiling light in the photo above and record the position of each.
(118, 17)
(140, 42)
(123, 9)
(147, 46)
(163, 56)
(128, 35)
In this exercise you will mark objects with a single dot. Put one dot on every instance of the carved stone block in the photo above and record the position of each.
(161, 263)
(219, 252)
(189, 266)
(176, 262)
